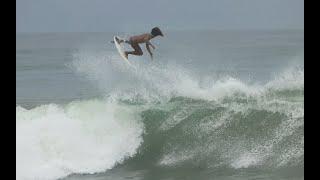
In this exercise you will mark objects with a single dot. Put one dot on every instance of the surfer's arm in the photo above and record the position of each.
(149, 43)
(149, 51)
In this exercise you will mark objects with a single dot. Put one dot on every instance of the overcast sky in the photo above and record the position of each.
(138, 15)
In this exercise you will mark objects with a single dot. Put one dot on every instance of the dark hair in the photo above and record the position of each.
(156, 31)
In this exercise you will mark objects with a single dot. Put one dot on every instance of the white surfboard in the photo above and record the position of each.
(120, 50)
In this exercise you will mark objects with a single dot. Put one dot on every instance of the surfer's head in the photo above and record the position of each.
(156, 31)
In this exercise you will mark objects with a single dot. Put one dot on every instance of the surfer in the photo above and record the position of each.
(134, 41)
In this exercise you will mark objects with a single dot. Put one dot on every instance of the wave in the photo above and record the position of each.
(163, 116)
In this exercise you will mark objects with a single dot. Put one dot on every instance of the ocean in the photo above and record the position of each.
(222, 105)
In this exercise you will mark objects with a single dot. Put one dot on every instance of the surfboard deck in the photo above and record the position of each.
(120, 50)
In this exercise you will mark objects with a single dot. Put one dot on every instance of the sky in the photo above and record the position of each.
(138, 15)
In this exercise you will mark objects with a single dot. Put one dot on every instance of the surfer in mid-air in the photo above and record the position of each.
(134, 41)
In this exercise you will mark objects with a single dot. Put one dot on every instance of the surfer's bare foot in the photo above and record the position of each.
(119, 40)
(126, 54)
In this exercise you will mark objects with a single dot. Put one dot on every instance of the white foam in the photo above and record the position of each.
(175, 158)
(290, 78)
(246, 160)
(175, 118)
(83, 137)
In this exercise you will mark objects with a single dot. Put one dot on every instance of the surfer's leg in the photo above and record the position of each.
(137, 50)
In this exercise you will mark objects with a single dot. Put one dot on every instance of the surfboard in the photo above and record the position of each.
(120, 50)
